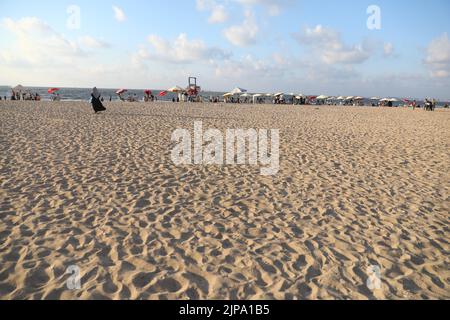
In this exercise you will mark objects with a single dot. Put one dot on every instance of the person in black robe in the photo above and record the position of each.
(97, 104)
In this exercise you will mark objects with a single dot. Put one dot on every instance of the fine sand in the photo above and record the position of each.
(356, 187)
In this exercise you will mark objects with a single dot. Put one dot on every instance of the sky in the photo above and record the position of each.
(370, 48)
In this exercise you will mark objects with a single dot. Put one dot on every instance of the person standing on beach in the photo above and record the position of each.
(95, 101)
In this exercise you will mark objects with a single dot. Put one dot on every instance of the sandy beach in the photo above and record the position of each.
(356, 187)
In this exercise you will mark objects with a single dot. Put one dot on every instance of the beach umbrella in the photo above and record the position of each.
(350, 98)
(18, 88)
(340, 98)
(246, 95)
(52, 90)
(359, 98)
(301, 95)
(257, 95)
(278, 94)
(162, 93)
(393, 100)
(374, 98)
(229, 94)
(322, 97)
(269, 95)
(384, 100)
(148, 92)
(176, 89)
(238, 91)
(121, 91)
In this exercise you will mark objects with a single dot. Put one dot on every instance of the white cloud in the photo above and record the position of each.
(39, 55)
(119, 14)
(36, 44)
(274, 7)
(219, 13)
(244, 34)
(182, 50)
(327, 43)
(93, 43)
(438, 57)
(388, 49)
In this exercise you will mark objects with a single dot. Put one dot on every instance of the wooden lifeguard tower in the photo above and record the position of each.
(193, 89)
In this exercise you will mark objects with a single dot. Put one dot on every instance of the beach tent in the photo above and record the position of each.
(256, 96)
(52, 90)
(238, 91)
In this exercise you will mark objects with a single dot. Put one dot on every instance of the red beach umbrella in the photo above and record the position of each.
(120, 91)
(52, 90)
(148, 92)
(162, 93)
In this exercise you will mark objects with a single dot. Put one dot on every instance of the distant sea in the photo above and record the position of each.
(82, 94)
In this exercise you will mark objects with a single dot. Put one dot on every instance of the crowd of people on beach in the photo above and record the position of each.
(97, 100)
(26, 96)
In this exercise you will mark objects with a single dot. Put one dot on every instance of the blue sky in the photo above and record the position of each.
(312, 47)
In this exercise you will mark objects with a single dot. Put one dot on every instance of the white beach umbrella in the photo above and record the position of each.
(238, 91)
(269, 95)
(176, 89)
(384, 100)
(229, 94)
(246, 95)
(350, 98)
(374, 98)
(393, 100)
(257, 95)
(278, 94)
(340, 98)
(359, 98)
(18, 88)
(301, 95)
(322, 97)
